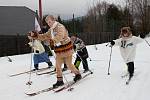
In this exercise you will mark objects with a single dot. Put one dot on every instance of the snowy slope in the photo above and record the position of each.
(99, 86)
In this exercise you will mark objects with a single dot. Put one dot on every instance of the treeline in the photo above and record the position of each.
(103, 20)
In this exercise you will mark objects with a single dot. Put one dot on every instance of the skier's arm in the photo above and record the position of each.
(115, 42)
(42, 37)
(45, 36)
(137, 40)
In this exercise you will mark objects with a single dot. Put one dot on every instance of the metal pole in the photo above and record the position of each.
(109, 61)
(147, 42)
(30, 82)
(40, 11)
(73, 24)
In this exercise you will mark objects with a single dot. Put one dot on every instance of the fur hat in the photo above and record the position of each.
(125, 30)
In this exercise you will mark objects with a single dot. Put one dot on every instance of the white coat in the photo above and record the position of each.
(128, 47)
(37, 45)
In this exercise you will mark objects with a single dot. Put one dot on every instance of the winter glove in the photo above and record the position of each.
(112, 43)
(74, 47)
(51, 42)
(142, 36)
(37, 51)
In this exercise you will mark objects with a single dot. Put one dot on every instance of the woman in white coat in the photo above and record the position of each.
(127, 44)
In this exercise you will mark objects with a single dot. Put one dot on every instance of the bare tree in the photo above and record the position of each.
(139, 9)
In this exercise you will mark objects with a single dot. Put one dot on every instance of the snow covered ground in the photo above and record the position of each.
(98, 86)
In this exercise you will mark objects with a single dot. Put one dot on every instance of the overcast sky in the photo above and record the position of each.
(64, 8)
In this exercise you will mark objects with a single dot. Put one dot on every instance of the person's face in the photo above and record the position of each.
(125, 33)
(50, 22)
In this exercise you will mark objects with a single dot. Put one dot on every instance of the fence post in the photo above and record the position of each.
(17, 43)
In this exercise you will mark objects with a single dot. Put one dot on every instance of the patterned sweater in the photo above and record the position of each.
(79, 44)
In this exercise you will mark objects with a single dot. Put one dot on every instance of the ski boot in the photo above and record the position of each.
(49, 64)
(58, 83)
(77, 77)
(86, 70)
(64, 69)
(36, 67)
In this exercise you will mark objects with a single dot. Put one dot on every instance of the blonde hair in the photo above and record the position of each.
(50, 17)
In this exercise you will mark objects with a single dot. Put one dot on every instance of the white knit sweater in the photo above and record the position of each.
(128, 47)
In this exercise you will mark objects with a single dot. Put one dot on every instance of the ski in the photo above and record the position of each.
(42, 69)
(53, 72)
(39, 92)
(49, 72)
(70, 84)
(60, 88)
(42, 91)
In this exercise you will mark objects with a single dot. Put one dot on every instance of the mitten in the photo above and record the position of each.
(112, 43)
(74, 47)
(51, 42)
(142, 36)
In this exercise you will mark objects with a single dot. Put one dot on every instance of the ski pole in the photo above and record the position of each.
(30, 82)
(109, 61)
(9, 59)
(90, 58)
(84, 62)
(147, 42)
(96, 60)
(52, 52)
(107, 44)
(95, 47)
(71, 88)
(55, 59)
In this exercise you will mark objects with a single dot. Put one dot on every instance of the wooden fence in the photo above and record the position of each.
(13, 45)
(17, 44)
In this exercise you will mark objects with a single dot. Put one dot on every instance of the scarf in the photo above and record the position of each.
(52, 28)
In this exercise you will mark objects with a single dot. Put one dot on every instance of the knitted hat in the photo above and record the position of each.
(125, 30)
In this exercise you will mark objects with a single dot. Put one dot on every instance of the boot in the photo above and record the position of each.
(55, 70)
(36, 67)
(49, 64)
(77, 77)
(85, 70)
(64, 69)
(130, 76)
(58, 83)
(77, 68)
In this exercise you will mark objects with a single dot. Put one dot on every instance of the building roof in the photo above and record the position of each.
(16, 20)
